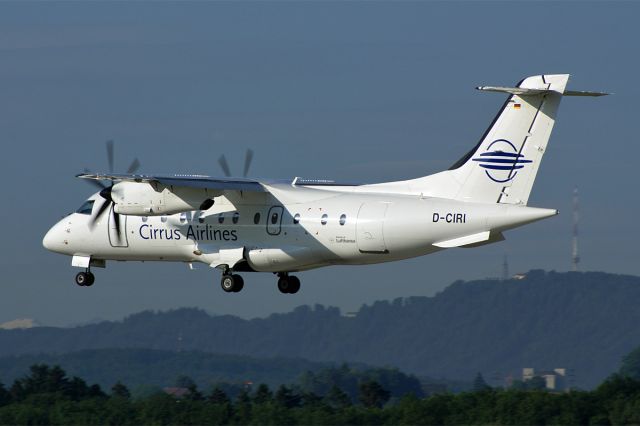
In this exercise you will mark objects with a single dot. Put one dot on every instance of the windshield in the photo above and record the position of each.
(86, 207)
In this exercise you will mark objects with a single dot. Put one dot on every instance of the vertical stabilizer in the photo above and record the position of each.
(502, 167)
(504, 164)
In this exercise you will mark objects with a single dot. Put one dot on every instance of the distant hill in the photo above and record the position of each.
(583, 321)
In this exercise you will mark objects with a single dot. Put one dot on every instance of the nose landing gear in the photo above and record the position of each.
(85, 279)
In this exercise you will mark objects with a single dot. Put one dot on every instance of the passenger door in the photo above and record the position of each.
(274, 220)
(370, 228)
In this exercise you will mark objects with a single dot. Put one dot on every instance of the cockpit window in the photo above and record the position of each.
(86, 207)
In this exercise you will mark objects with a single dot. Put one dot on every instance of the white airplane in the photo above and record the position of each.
(242, 225)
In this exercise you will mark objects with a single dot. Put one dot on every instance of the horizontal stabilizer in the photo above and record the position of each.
(463, 241)
(513, 90)
(584, 93)
(522, 91)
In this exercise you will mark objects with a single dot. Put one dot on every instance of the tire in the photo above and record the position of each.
(238, 283)
(90, 279)
(284, 285)
(227, 283)
(82, 278)
(294, 284)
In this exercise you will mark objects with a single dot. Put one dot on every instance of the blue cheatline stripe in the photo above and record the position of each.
(492, 167)
(501, 154)
(501, 160)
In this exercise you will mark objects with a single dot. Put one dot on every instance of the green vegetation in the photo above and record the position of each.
(48, 396)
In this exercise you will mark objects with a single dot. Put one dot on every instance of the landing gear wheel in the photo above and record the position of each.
(82, 279)
(232, 283)
(284, 284)
(90, 279)
(238, 283)
(294, 283)
(227, 283)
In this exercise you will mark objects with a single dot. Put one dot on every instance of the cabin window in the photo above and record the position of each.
(86, 207)
(343, 219)
(163, 219)
(324, 219)
(296, 219)
(183, 217)
(256, 218)
(221, 218)
(274, 218)
(235, 218)
(145, 219)
(201, 217)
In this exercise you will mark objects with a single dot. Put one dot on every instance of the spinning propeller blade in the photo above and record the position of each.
(224, 165)
(248, 157)
(104, 207)
(105, 191)
(135, 165)
(110, 155)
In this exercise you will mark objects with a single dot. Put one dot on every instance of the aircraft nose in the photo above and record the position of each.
(47, 241)
(53, 240)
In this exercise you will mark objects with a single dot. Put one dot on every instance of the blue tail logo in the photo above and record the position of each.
(501, 161)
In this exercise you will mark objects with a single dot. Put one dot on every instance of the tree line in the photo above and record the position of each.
(48, 396)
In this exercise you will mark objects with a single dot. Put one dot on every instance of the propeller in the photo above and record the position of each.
(105, 191)
(224, 165)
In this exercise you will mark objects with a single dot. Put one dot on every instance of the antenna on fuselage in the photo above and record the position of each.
(575, 256)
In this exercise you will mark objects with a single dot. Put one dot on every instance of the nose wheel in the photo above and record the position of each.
(85, 279)
(231, 283)
(288, 284)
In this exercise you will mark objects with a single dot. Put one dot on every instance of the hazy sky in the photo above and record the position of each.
(365, 91)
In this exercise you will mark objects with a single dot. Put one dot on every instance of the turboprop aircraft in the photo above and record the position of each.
(248, 225)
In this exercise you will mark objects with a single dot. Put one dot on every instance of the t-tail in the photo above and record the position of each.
(502, 167)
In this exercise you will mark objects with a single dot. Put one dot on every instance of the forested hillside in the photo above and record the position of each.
(48, 396)
(156, 368)
(582, 321)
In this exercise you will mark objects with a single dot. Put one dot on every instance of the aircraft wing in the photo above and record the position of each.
(189, 181)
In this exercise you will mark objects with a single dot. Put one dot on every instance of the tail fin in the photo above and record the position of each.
(502, 167)
(504, 164)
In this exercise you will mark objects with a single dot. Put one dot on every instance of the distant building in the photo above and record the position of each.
(20, 323)
(177, 392)
(555, 380)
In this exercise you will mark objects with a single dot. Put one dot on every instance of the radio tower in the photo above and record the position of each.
(505, 269)
(575, 257)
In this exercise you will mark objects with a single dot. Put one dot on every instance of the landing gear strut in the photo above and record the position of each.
(288, 284)
(85, 279)
(231, 283)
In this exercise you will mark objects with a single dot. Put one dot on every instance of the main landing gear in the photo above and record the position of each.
(85, 279)
(231, 283)
(288, 284)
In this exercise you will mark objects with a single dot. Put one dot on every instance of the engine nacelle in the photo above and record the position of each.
(148, 199)
(286, 259)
